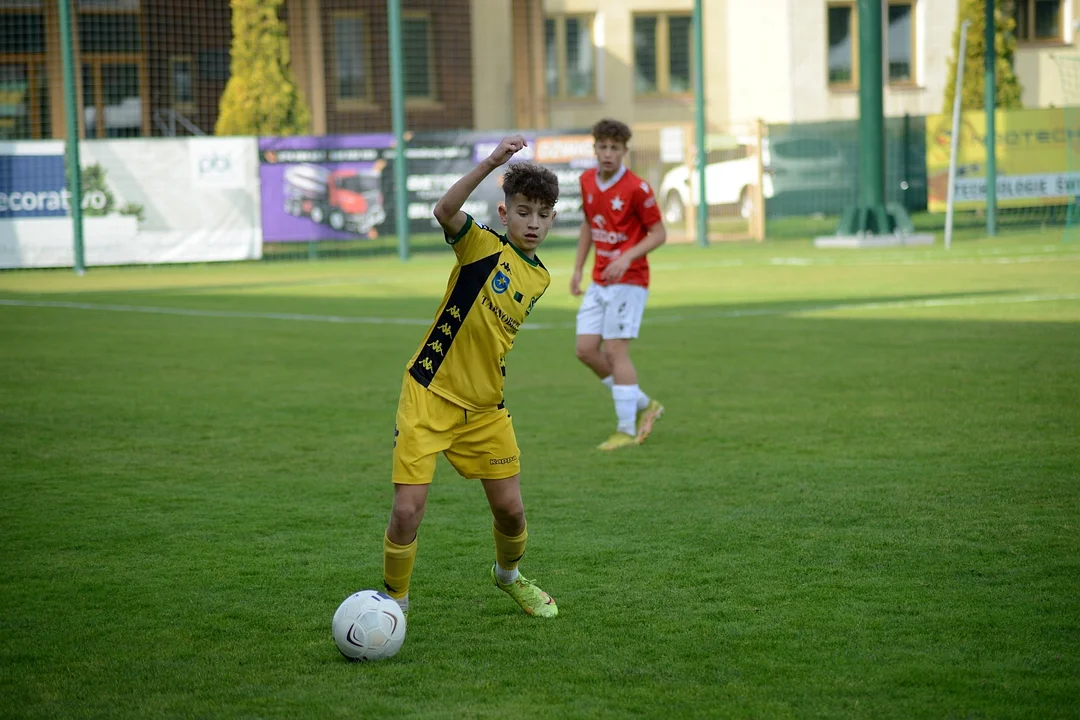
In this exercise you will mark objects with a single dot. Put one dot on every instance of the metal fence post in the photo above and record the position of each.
(702, 156)
(991, 130)
(397, 112)
(71, 117)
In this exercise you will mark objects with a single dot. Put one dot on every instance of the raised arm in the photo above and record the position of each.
(448, 209)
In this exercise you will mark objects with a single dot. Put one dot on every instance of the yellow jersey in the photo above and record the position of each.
(492, 289)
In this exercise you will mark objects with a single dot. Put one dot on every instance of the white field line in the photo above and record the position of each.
(857, 262)
(195, 312)
(881, 305)
(655, 319)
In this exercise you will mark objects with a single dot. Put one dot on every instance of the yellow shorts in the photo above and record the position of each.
(479, 445)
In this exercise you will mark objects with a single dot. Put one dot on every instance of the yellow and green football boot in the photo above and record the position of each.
(532, 599)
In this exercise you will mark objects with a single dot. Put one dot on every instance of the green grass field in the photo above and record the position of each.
(864, 500)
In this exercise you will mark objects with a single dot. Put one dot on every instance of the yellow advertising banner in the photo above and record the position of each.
(1034, 148)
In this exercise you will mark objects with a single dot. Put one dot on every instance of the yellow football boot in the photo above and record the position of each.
(532, 599)
(617, 441)
(647, 418)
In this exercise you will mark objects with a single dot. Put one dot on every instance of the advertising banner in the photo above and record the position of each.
(1033, 150)
(32, 180)
(145, 201)
(341, 187)
(336, 187)
(437, 160)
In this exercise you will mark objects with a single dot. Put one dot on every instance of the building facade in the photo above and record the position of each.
(140, 66)
(341, 57)
(776, 60)
(159, 67)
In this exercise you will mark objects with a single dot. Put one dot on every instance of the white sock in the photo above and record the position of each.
(505, 576)
(626, 397)
(643, 399)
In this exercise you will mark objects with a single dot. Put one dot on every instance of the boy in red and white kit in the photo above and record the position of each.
(623, 221)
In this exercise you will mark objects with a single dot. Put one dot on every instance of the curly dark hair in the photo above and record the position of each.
(608, 129)
(533, 181)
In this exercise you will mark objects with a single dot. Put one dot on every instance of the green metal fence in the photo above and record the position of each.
(811, 189)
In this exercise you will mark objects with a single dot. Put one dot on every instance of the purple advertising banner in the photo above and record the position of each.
(342, 187)
(325, 188)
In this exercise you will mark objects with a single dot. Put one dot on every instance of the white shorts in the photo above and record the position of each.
(613, 312)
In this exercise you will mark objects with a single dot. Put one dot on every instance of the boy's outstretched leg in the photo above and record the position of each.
(399, 543)
(510, 532)
(635, 411)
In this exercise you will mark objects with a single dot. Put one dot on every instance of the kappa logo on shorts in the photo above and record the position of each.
(500, 282)
(503, 461)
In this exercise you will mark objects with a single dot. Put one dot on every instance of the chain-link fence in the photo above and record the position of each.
(1069, 70)
(242, 129)
(812, 172)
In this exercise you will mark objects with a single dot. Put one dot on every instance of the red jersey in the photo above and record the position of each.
(619, 212)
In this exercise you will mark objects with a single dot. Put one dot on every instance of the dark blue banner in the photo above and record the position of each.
(32, 185)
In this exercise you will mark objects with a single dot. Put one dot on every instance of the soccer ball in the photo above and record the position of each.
(369, 625)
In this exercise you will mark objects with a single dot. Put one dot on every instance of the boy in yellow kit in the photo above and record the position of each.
(451, 397)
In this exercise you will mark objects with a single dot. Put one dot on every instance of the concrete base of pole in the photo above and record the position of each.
(876, 220)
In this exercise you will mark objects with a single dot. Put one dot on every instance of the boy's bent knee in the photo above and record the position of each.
(593, 357)
(510, 518)
(507, 509)
(408, 509)
(406, 512)
(616, 355)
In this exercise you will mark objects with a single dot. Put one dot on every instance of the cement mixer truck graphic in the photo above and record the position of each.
(347, 199)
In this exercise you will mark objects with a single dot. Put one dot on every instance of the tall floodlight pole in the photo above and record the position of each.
(699, 93)
(397, 116)
(991, 130)
(871, 118)
(871, 216)
(71, 116)
(871, 107)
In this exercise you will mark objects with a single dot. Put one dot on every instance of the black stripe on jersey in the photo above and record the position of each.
(470, 282)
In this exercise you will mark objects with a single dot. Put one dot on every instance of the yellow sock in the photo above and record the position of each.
(397, 567)
(508, 550)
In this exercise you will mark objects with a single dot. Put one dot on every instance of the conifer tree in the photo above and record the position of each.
(262, 96)
(973, 96)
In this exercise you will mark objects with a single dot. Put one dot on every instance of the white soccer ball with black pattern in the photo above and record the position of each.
(369, 625)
